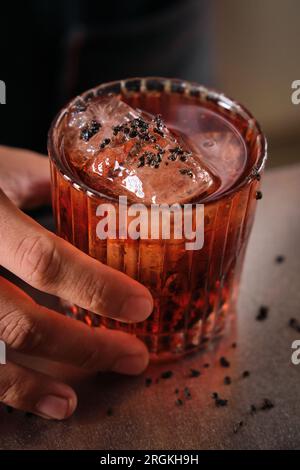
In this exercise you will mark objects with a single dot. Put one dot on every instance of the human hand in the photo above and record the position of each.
(52, 265)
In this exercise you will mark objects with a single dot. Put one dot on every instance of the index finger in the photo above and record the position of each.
(52, 265)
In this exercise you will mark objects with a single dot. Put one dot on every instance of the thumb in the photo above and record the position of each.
(25, 177)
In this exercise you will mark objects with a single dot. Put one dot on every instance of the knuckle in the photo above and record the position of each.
(39, 260)
(20, 332)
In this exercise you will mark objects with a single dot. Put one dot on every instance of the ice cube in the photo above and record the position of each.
(88, 125)
(118, 150)
(224, 153)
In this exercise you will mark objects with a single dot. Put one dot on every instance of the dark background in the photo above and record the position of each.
(50, 50)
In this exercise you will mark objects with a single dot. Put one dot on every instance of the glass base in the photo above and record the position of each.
(164, 347)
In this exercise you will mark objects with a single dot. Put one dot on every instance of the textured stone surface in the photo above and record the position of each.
(148, 418)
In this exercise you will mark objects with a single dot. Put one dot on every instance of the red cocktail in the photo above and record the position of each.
(160, 142)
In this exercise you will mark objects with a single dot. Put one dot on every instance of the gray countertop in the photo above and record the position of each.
(148, 418)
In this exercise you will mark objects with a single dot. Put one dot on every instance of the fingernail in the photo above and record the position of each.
(131, 364)
(136, 308)
(54, 407)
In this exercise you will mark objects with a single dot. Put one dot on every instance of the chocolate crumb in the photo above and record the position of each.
(295, 324)
(89, 130)
(167, 374)
(221, 402)
(245, 374)
(179, 402)
(206, 365)
(215, 395)
(187, 393)
(256, 174)
(186, 171)
(104, 143)
(238, 426)
(194, 373)
(227, 380)
(279, 259)
(176, 391)
(262, 313)
(133, 134)
(258, 195)
(148, 381)
(158, 131)
(234, 345)
(267, 404)
(116, 129)
(224, 362)
(80, 106)
(253, 409)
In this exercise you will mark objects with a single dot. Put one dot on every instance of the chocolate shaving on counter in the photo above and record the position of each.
(167, 374)
(295, 324)
(179, 402)
(224, 362)
(187, 393)
(219, 402)
(267, 404)
(148, 381)
(227, 380)
(258, 195)
(194, 373)
(262, 313)
(90, 130)
(238, 426)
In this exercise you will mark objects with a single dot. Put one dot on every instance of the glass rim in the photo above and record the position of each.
(163, 85)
